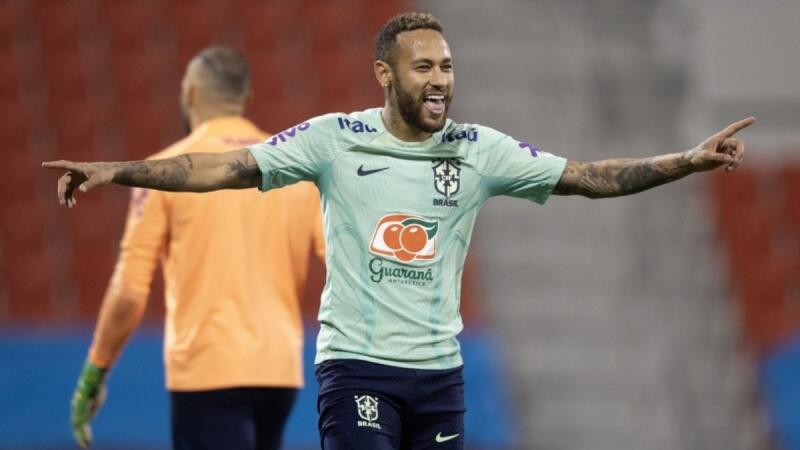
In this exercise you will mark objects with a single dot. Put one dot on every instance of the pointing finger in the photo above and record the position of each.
(62, 164)
(735, 127)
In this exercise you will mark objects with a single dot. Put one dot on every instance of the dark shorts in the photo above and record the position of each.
(236, 418)
(364, 405)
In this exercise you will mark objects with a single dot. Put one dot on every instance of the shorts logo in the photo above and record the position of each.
(404, 237)
(367, 407)
(446, 176)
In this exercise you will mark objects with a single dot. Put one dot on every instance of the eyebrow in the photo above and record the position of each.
(430, 61)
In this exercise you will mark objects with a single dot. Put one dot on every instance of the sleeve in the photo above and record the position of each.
(302, 152)
(317, 232)
(144, 239)
(123, 305)
(518, 169)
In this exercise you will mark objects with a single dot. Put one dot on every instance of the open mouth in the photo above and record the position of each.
(435, 103)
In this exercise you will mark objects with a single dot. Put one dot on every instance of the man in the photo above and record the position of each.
(401, 187)
(233, 263)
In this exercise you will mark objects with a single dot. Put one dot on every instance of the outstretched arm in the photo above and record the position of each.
(193, 172)
(617, 177)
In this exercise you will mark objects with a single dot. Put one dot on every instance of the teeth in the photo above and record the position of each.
(436, 98)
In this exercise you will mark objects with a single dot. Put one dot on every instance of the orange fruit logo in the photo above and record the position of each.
(405, 237)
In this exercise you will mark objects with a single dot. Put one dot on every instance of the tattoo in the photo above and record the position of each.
(197, 172)
(617, 177)
(246, 169)
(166, 175)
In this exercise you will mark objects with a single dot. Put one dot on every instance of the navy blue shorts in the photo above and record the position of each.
(236, 418)
(364, 405)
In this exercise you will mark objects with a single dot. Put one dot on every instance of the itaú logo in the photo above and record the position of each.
(405, 237)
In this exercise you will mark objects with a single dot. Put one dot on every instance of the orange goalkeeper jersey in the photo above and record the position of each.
(234, 263)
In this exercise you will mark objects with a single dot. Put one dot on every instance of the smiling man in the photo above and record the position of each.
(401, 187)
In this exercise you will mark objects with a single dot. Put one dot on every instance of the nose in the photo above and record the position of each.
(438, 77)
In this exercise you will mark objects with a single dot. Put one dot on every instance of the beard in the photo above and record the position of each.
(411, 110)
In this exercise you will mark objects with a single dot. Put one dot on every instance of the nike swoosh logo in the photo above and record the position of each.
(440, 438)
(362, 172)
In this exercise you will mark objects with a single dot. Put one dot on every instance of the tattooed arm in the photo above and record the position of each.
(617, 177)
(193, 172)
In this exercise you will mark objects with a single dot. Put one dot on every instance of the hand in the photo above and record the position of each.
(83, 176)
(89, 395)
(720, 149)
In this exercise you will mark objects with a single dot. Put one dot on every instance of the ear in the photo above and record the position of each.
(383, 73)
(191, 95)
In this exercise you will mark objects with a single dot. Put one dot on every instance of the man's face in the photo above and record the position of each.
(423, 79)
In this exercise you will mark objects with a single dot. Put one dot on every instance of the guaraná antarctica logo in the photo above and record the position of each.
(404, 237)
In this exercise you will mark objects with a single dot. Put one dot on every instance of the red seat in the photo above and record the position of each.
(95, 236)
(61, 24)
(9, 76)
(67, 76)
(27, 269)
(266, 74)
(790, 180)
(764, 291)
(264, 23)
(9, 19)
(21, 179)
(255, 19)
(16, 125)
(197, 25)
(28, 278)
(132, 24)
(148, 126)
(748, 235)
(275, 114)
(343, 74)
(378, 13)
(140, 74)
(730, 191)
(78, 127)
(333, 23)
(22, 223)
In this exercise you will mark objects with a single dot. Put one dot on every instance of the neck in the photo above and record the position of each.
(398, 127)
(199, 115)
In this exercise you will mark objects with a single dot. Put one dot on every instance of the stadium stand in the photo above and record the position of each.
(636, 345)
(97, 80)
(103, 86)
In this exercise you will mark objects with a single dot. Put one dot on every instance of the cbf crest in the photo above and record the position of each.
(368, 411)
(446, 176)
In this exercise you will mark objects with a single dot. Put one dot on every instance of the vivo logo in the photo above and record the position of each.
(525, 146)
(285, 135)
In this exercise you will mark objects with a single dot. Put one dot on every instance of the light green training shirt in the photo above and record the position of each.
(398, 221)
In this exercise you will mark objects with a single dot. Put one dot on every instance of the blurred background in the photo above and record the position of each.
(668, 320)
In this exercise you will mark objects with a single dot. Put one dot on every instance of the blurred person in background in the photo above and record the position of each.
(234, 263)
(401, 187)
